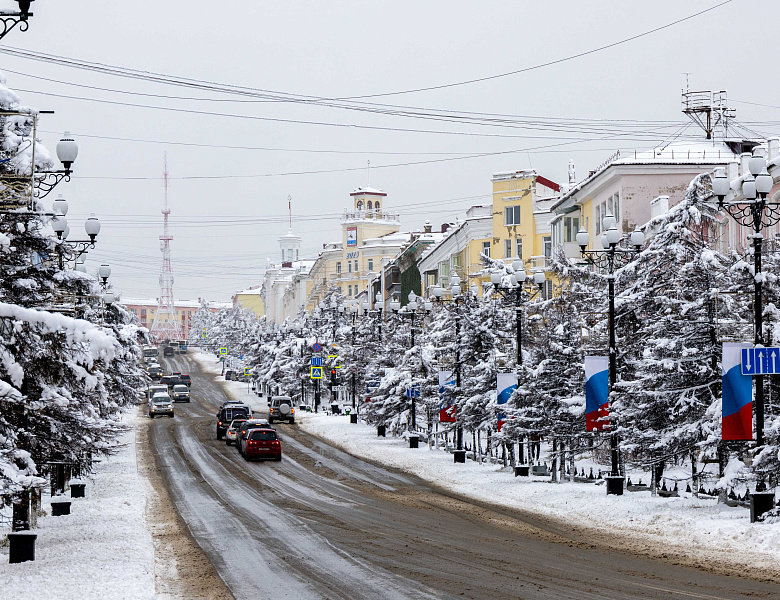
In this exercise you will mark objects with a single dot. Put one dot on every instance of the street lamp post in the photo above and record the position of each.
(353, 309)
(754, 211)
(11, 19)
(610, 255)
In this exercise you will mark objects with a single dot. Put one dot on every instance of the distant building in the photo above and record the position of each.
(146, 308)
(251, 299)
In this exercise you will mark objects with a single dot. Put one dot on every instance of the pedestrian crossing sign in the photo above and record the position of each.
(223, 351)
(316, 372)
(247, 371)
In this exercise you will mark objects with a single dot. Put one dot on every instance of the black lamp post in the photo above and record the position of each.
(11, 19)
(752, 210)
(607, 258)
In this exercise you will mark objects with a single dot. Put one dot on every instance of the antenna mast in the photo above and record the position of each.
(165, 325)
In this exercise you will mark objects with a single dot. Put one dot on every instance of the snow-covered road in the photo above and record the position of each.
(323, 523)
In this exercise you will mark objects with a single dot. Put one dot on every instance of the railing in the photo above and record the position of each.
(538, 262)
(380, 215)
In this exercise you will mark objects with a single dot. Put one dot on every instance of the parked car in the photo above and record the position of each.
(227, 414)
(168, 351)
(262, 443)
(161, 404)
(181, 393)
(281, 408)
(232, 431)
(185, 379)
(245, 428)
(230, 375)
(156, 389)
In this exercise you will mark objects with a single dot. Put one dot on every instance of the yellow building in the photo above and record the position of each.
(369, 233)
(521, 218)
(251, 299)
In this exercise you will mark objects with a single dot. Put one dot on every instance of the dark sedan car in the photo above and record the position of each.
(262, 443)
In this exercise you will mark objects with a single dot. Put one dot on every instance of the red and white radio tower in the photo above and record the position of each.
(165, 325)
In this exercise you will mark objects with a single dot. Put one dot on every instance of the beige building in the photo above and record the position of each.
(251, 299)
(369, 233)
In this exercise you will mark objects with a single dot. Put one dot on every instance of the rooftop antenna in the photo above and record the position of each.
(687, 83)
(289, 209)
(708, 110)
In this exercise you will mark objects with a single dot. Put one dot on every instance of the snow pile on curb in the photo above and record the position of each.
(102, 549)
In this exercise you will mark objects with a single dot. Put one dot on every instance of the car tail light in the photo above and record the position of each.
(275, 443)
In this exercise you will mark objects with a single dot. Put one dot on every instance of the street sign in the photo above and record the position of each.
(241, 357)
(338, 364)
(413, 392)
(339, 388)
(204, 334)
(316, 361)
(247, 371)
(316, 347)
(316, 372)
(223, 351)
(760, 361)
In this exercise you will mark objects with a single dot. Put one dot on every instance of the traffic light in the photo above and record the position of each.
(333, 380)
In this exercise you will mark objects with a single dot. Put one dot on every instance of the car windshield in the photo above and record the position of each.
(237, 423)
(234, 413)
(180, 388)
(162, 400)
(263, 435)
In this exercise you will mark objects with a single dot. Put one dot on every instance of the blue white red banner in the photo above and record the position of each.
(506, 384)
(596, 393)
(737, 390)
(447, 408)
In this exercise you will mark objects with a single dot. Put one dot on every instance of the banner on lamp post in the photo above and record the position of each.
(596, 393)
(447, 408)
(737, 395)
(506, 384)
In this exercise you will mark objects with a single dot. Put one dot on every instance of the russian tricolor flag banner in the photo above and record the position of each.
(506, 384)
(737, 401)
(596, 393)
(447, 408)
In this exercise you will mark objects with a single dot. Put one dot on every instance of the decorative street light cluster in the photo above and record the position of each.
(610, 255)
(11, 19)
(745, 199)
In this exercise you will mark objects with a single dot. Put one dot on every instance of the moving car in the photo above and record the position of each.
(245, 428)
(228, 413)
(169, 380)
(262, 443)
(181, 393)
(185, 379)
(232, 431)
(153, 390)
(160, 404)
(155, 372)
(281, 409)
(182, 347)
(168, 351)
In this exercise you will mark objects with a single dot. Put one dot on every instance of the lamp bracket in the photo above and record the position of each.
(49, 181)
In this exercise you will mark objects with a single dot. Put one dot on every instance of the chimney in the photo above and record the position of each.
(445, 227)
(427, 227)
(572, 176)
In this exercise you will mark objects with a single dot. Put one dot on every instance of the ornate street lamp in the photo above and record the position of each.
(11, 19)
(607, 258)
(67, 151)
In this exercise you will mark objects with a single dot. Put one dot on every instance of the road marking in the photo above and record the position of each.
(673, 591)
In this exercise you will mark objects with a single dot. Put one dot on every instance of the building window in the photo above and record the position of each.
(349, 293)
(457, 261)
(547, 246)
(571, 225)
(370, 264)
(143, 311)
(356, 266)
(507, 248)
(376, 205)
(444, 273)
(349, 266)
(547, 290)
(486, 248)
(369, 205)
(338, 268)
(512, 215)
(360, 205)
(613, 207)
(519, 247)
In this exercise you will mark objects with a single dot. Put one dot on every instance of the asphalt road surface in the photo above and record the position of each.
(324, 524)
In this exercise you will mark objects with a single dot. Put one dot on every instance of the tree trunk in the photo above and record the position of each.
(562, 449)
(723, 457)
(474, 444)
(554, 464)
(653, 481)
(572, 468)
(35, 506)
(694, 474)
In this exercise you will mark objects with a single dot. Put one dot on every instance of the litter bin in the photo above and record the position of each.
(460, 456)
(414, 441)
(353, 418)
(760, 502)
(381, 430)
(522, 470)
(77, 488)
(21, 546)
(615, 485)
(60, 507)
(334, 409)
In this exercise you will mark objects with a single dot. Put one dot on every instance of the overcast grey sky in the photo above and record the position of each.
(342, 49)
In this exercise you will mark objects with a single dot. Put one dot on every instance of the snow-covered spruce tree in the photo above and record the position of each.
(668, 400)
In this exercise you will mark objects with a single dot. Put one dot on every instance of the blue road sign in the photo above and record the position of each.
(760, 361)
(316, 347)
(413, 392)
(316, 372)
(316, 361)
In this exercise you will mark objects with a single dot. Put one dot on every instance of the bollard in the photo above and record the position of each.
(353, 418)
(459, 456)
(21, 546)
(414, 441)
(77, 488)
(381, 430)
(60, 507)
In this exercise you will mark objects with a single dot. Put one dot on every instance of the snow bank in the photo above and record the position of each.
(101, 550)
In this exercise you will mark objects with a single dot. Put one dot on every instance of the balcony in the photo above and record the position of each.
(370, 215)
(538, 263)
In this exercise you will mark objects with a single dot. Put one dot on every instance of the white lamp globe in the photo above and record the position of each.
(539, 278)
